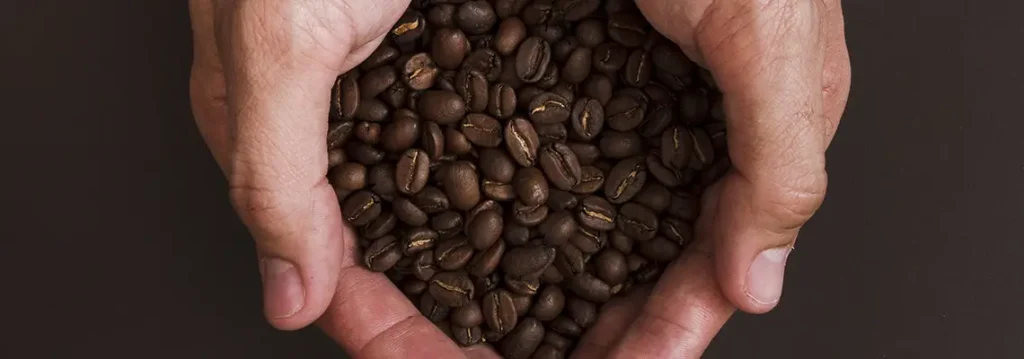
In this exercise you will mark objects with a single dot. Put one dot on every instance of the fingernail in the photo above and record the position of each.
(764, 278)
(283, 294)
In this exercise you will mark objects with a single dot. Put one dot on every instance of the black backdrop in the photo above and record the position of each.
(119, 241)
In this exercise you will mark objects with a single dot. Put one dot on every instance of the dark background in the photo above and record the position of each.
(119, 240)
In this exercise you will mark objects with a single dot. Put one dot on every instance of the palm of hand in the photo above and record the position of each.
(259, 62)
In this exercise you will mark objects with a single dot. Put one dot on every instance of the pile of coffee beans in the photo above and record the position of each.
(513, 164)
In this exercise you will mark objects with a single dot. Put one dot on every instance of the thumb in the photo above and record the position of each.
(767, 59)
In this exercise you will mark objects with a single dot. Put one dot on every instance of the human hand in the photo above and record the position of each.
(261, 80)
(784, 71)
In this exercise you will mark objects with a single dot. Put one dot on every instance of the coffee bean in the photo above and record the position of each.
(372, 110)
(621, 242)
(576, 10)
(348, 176)
(654, 196)
(591, 180)
(625, 180)
(486, 262)
(499, 311)
(551, 77)
(469, 315)
(598, 87)
(345, 97)
(402, 133)
(570, 261)
(498, 191)
(548, 108)
(557, 228)
(381, 226)
(561, 166)
(609, 57)
(511, 33)
(456, 142)
(361, 208)
(526, 95)
(677, 147)
(381, 180)
(587, 118)
(658, 119)
(552, 275)
(516, 234)
(637, 221)
(546, 351)
(412, 171)
(658, 249)
(694, 106)
(582, 312)
(590, 32)
(548, 134)
(549, 303)
(527, 261)
(522, 141)
(532, 59)
(667, 176)
(587, 153)
(364, 153)
(531, 186)
(485, 41)
(637, 72)
(453, 289)
(495, 164)
(522, 341)
(566, 90)
(628, 29)
(433, 140)
(462, 185)
(703, 150)
(624, 112)
(443, 107)
(375, 81)
(476, 17)
(559, 200)
(538, 12)
(611, 266)
(423, 265)
(467, 336)
(453, 253)
(522, 286)
(383, 254)
(414, 287)
(557, 341)
(565, 326)
(482, 130)
(433, 309)
(338, 134)
(431, 200)
(408, 213)
(473, 87)
(596, 213)
(588, 241)
(442, 15)
(591, 288)
(368, 132)
(446, 81)
(485, 61)
(449, 47)
(485, 229)
(564, 47)
(501, 102)
(677, 231)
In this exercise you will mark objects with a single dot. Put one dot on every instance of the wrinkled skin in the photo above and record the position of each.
(261, 77)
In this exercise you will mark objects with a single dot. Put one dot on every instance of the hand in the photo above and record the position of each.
(261, 81)
(784, 72)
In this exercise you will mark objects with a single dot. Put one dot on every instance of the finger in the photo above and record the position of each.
(836, 75)
(767, 60)
(607, 331)
(280, 60)
(206, 83)
(684, 312)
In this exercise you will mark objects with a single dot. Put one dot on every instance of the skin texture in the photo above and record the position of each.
(260, 84)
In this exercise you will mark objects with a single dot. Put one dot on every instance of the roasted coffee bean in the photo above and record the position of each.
(703, 150)
(462, 185)
(532, 59)
(587, 153)
(621, 242)
(625, 180)
(423, 265)
(551, 77)
(526, 95)
(374, 82)
(557, 228)
(618, 145)
(582, 312)
(473, 87)
(485, 61)
(597, 213)
(587, 118)
(361, 208)
(348, 176)
(442, 15)
(549, 303)
(467, 336)
(552, 33)
(402, 133)
(591, 288)
(335, 157)
(677, 147)
(381, 180)
(432, 308)
(345, 98)
(338, 134)
(409, 27)
(469, 315)
(557, 340)
(447, 223)
(667, 176)
(694, 106)
(610, 265)
(496, 165)
(498, 191)
(658, 249)
(565, 326)
(408, 213)
(456, 143)
(383, 254)
(381, 226)
(522, 341)
(418, 240)
(576, 10)
(516, 234)
(552, 275)
(522, 141)
(560, 200)
(412, 171)
(446, 81)
(485, 229)
(538, 12)
(561, 166)
(670, 59)
(396, 96)
(454, 253)
(527, 261)
(566, 90)
(658, 119)
(499, 311)
(624, 112)
(677, 231)
(364, 153)
(549, 108)
(590, 32)
(431, 200)
(589, 241)
(591, 180)
(372, 110)
(414, 287)
(637, 72)
(561, 50)
(433, 141)
(598, 87)
(443, 107)
(531, 186)
(570, 261)
(487, 205)
(476, 17)
(637, 221)
(511, 33)
(628, 28)
(454, 289)
(654, 196)
(522, 286)
(522, 303)
(368, 132)
(482, 130)
(552, 133)
(486, 262)
(449, 47)
(716, 130)
(546, 351)
(609, 57)
(485, 41)
(501, 101)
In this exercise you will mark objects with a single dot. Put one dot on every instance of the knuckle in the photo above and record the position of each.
(266, 211)
(792, 202)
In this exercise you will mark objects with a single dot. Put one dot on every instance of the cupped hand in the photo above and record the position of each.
(260, 87)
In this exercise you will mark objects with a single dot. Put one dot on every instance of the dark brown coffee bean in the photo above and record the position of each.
(654, 196)
(587, 118)
(670, 59)
(423, 266)
(449, 47)
(667, 176)
(447, 223)
(433, 140)
(532, 59)
(560, 200)
(446, 81)
(485, 41)
(338, 133)
(576, 10)
(526, 94)
(502, 101)
(381, 180)
(412, 171)
(485, 229)
(587, 153)
(628, 28)
(431, 200)
(499, 311)
(402, 133)
(716, 130)
(414, 287)
(374, 82)
(522, 141)
(383, 254)
(345, 98)
(551, 77)
(498, 191)
(611, 266)
(557, 340)
(443, 107)
(383, 55)
(486, 262)
(409, 27)
(549, 303)
(638, 69)
(408, 213)
(565, 326)
(364, 153)
(552, 133)
(589, 241)
(469, 315)
(552, 275)
(496, 165)
(453, 289)
(522, 341)
(590, 32)
(381, 226)
(467, 336)
(441, 15)
(539, 12)
(561, 166)
(625, 180)
(482, 130)
(476, 17)
(658, 249)
(368, 132)
(703, 150)
(637, 221)
(453, 253)
(624, 113)
(598, 87)
(557, 228)
(527, 261)
(432, 308)
(551, 33)
(621, 242)
(677, 231)
(456, 142)
(591, 288)
(561, 50)
(396, 96)
(522, 286)
(582, 312)
(486, 62)
(591, 180)
(609, 57)
(659, 118)
(516, 234)
(570, 261)
(677, 147)
(372, 110)
(531, 186)
(462, 185)
(473, 87)
(418, 240)
(694, 106)
(549, 108)
(596, 213)
(546, 351)
(566, 90)
(361, 208)
(511, 33)
(348, 176)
